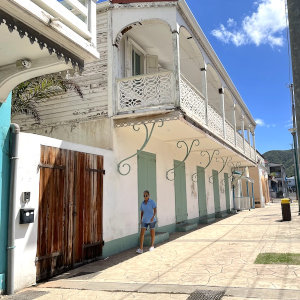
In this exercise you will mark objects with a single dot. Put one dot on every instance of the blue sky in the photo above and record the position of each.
(250, 38)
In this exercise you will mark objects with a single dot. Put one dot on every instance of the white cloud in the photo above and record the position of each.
(262, 123)
(265, 26)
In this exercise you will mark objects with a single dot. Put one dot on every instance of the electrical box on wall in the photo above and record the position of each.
(26, 197)
(26, 215)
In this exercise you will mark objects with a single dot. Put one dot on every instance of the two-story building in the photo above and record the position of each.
(37, 37)
(159, 113)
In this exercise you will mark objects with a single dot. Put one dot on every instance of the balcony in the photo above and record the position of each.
(40, 37)
(72, 20)
(154, 92)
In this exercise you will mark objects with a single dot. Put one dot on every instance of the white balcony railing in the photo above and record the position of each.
(247, 149)
(192, 102)
(156, 91)
(239, 141)
(229, 133)
(145, 91)
(78, 15)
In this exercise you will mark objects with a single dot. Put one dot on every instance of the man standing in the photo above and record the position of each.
(148, 212)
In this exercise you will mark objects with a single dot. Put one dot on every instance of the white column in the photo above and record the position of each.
(243, 132)
(175, 43)
(221, 92)
(234, 120)
(204, 90)
(248, 135)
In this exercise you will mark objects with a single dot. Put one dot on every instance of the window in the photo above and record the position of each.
(136, 61)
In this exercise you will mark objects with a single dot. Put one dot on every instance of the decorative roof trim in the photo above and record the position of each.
(35, 37)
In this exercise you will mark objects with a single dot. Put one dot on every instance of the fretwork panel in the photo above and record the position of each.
(145, 91)
(229, 133)
(191, 102)
(215, 121)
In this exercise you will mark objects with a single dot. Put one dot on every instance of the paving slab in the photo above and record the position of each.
(215, 257)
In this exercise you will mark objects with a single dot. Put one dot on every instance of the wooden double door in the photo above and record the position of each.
(70, 210)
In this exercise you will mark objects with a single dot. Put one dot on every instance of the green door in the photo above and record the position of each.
(227, 191)
(216, 191)
(201, 192)
(146, 176)
(180, 191)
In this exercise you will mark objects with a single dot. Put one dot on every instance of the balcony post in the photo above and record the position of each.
(234, 121)
(175, 43)
(221, 92)
(204, 90)
(253, 139)
(243, 131)
(248, 134)
(92, 21)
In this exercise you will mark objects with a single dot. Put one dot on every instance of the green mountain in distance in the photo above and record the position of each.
(285, 157)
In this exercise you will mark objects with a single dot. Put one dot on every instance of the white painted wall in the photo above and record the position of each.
(120, 193)
(28, 181)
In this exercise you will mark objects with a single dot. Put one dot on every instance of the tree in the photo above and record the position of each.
(26, 95)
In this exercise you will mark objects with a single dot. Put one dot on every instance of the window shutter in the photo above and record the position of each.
(152, 64)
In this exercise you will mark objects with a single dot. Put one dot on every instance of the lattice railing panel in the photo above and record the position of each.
(145, 91)
(252, 153)
(192, 102)
(247, 149)
(239, 141)
(229, 133)
(215, 121)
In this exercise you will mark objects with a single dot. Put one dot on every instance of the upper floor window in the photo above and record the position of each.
(137, 62)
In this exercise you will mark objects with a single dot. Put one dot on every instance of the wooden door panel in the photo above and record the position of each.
(70, 210)
(180, 191)
(201, 191)
(216, 191)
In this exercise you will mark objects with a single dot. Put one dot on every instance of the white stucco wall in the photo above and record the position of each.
(120, 193)
(28, 181)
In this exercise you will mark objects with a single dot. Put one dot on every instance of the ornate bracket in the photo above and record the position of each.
(224, 161)
(188, 151)
(210, 158)
(135, 127)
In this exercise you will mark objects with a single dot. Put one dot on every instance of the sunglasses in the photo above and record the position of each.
(146, 196)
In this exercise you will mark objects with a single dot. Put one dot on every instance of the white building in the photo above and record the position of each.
(37, 37)
(159, 113)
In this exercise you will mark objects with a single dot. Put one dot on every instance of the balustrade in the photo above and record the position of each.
(145, 91)
(78, 15)
(229, 133)
(239, 141)
(215, 121)
(191, 101)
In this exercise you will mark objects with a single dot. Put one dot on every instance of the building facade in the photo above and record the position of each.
(37, 38)
(159, 113)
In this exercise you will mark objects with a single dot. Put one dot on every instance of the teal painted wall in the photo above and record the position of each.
(5, 110)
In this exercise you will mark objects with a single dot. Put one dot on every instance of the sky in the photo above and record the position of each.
(250, 39)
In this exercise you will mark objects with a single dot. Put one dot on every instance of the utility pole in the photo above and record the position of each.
(294, 28)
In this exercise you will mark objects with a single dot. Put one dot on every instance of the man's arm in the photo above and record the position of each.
(142, 213)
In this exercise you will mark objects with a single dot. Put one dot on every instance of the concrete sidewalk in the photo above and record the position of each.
(218, 258)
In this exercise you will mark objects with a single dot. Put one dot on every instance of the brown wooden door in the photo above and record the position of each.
(70, 210)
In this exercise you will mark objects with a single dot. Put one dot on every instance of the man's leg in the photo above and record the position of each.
(152, 232)
(142, 234)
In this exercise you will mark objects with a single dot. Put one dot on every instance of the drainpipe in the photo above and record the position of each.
(15, 130)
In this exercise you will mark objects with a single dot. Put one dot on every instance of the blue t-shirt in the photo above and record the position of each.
(148, 211)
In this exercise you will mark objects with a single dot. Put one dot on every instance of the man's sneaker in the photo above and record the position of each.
(151, 248)
(139, 251)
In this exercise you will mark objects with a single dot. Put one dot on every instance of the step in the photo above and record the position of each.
(184, 227)
(207, 220)
(221, 214)
(159, 238)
